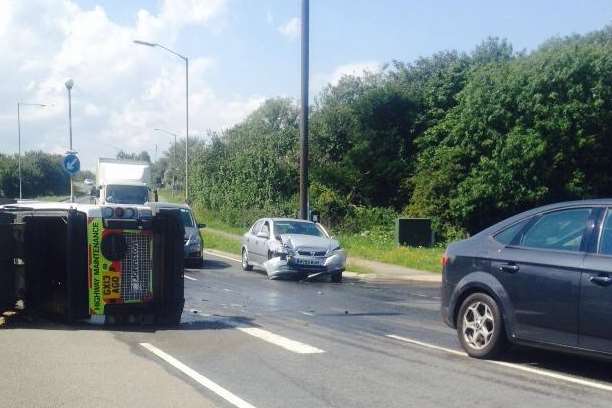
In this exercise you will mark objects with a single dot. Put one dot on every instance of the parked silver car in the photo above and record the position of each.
(286, 247)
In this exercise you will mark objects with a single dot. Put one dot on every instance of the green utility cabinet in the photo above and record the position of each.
(414, 232)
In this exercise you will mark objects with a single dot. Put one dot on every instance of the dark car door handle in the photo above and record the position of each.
(601, 280)
(511, 268)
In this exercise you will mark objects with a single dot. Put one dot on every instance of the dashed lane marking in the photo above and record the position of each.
(287, 344)
(190, 278)
(199, 378)
(531, 370)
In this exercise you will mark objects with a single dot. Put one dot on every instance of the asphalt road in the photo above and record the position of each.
(246, 341)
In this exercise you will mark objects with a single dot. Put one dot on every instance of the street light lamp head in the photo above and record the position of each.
(69, 84)
(148, 44)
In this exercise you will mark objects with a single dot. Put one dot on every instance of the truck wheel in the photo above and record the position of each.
(480, 327)
(245, 261)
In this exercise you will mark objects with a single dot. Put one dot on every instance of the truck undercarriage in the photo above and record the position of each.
(48, 266)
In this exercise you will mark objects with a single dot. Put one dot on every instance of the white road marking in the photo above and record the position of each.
(190, 278)
(531, 370)
(287, 344)
(212, 386)
(307, 313)
(427, 345)
(223, 256)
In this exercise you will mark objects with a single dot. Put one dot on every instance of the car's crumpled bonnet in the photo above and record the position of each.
(307, 241)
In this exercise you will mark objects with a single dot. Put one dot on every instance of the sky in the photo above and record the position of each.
(241, 52)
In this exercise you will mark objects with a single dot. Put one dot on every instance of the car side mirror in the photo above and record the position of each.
(201, 225)
(262, 234)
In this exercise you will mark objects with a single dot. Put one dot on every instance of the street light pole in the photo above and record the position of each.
(184, 58)
(19, 105)
(19, 157)
(304, 114)
(173, 154)
(69, 84)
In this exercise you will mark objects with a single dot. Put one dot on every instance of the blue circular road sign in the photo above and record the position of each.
(72, 164)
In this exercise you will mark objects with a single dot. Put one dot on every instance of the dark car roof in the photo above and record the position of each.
(602, 202)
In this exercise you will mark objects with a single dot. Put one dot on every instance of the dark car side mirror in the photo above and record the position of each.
(201, 225)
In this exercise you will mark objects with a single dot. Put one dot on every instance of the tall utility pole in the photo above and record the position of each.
(304, 115)
(19, 105)
(69, 84)
(184, 58)
(186, 129)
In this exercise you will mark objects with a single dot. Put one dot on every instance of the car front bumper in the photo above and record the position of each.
(192, 253)
(278, 267)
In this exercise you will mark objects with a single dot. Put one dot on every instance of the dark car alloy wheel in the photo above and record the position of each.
(480, 326)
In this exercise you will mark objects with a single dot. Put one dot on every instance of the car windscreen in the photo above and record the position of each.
(296, 227)
(127, 194)
(187, 218)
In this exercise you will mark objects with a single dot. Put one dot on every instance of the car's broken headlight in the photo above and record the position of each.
(282, 251)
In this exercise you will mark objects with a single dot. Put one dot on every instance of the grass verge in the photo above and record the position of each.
(386, 250)
(214, 240)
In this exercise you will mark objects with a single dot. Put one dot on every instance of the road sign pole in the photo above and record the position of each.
(69, 85)
(70, 127)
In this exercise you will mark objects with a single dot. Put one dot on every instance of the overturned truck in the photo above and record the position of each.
(107, 264)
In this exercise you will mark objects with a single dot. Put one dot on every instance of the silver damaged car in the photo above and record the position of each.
(287, 247)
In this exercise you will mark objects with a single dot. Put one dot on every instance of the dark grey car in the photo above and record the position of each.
(193, 242)
(541, 278)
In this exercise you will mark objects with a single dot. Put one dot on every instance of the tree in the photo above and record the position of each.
(142, 156)
(42, 174)
(526, 131)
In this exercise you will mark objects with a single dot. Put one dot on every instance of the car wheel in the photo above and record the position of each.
(480, 327)
(245, 261)
(336, 277)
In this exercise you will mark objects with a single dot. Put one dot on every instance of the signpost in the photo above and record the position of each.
(72, 165)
